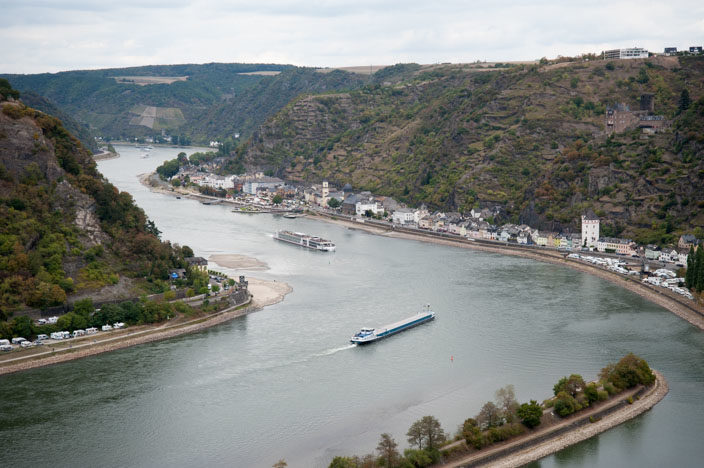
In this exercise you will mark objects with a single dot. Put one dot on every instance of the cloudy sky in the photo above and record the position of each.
(54, 35)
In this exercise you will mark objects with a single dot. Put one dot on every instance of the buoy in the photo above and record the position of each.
(452, 358)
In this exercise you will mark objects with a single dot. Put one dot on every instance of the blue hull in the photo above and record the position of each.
(396, 330)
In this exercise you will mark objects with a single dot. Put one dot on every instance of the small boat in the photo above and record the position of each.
(291, 215)
(369, 335)
(304, 240)
(178, 198)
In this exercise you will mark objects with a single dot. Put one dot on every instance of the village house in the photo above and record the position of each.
(198, 263)
(687, 241)
(270, 183)
(403, 216)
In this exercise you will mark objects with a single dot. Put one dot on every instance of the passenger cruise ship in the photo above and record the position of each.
(304, 240)
(369, 335)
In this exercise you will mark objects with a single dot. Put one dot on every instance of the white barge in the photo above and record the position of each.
(304, 240)
(369, 335)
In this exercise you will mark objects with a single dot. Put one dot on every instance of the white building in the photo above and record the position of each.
(590, 229)
(361, 207)
(630, 53)
(268, 183)
(403, 216)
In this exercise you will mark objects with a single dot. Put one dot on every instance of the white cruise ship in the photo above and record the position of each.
(304, 240)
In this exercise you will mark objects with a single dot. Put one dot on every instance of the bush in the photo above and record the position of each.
(628, 372)
(565, 404)
(591, 393)
(530, 413)
(603, 395)
(610, 389)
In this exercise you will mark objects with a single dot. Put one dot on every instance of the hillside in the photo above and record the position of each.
(202, 102)
(64, 230)
(529, 138)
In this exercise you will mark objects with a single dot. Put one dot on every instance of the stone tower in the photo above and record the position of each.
(590, 229)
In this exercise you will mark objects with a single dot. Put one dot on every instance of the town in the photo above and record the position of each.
(260, 193)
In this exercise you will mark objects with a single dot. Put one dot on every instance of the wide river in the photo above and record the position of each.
(285, 383)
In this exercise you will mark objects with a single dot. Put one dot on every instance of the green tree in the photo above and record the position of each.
(277, 199)
(571, 385)
(6, 90)
(684, 101)
(23, 326)
(84, 307)
(426, 433)
(530, 413)
(187, 251)
(565, 404)
(591, 392)
(334, 203)
(699, 268)
(342, 462)
(416, 458)
(388, 451)
(630, 371)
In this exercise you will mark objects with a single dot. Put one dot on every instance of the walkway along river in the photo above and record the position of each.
(284, 382)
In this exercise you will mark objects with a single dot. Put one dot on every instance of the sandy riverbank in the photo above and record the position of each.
(569, 432)
(652, 295)
(105, 155)
(264, 293)
(238, 262)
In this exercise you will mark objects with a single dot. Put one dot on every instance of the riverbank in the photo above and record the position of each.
(573, 430)
(263, 293)
(105, 155)
(238, 262)
(693, 314)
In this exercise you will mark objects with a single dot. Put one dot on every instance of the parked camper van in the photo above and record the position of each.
(78, 333)
(18, 340)
(5, 347)
(26, 344)
(106, 328)
(118, 325)
(42, 337)
(4, 342)
(91, 331)
(52, 319)
(41, 321)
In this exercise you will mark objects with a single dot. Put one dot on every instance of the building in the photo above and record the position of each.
(670, 50)
(615, 245)
(269, 183)
(620, 54)
(349, 205)
(695, 50)
(590, 229)
(620, 117)
(403, 216)
(198, 263)
(687, 241)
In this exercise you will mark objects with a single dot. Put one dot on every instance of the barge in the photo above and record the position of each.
(369, 335)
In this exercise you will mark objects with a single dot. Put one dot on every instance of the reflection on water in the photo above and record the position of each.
(286, 383)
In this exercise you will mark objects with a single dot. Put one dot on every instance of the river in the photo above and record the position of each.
(285, 383)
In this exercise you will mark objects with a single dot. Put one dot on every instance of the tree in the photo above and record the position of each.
(280, 464)
(565, 404)
(506, 401)
(690, 275)
(630, 371)
(699, 269)
(489, 416)
(334, 203)
(530, 413)
(84, 307)
(187, 251)
(277, 199)
(417, 458)
(426, 432)
(22, 326)
(684, 101)
(342, 462)
(387, 449)
(571, 385)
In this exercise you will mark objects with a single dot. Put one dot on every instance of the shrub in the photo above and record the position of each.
(628, 372)
(530, 413)
(610, 389)
(591, 392)
(630, 400)
(565, 404)
(603, 395)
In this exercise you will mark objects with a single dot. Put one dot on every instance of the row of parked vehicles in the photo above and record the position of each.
(7, 345)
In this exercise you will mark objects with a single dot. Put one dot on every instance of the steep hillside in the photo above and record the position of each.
(203, 102)
(246, 110)
(530, 138)
(80, 131)
(64, 230)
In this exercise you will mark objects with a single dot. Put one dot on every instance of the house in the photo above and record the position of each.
(687, 241)
(652, 252)
(670, 50)
(349, 204)
(198, 263)
(425, 222)
(522, 238)
(403, 216)
(682, 257)
(361, 207)
(252, 186)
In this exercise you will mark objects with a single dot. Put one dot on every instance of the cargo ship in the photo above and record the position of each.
(304, 240)
(369, 335)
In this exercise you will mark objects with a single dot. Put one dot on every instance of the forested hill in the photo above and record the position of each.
(200, 102)
(64, 230)
(529, 138)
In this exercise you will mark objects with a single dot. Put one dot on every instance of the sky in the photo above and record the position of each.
(55, 35)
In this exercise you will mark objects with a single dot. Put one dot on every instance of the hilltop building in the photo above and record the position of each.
(620, 54)
(620, 117)
(590, 229)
